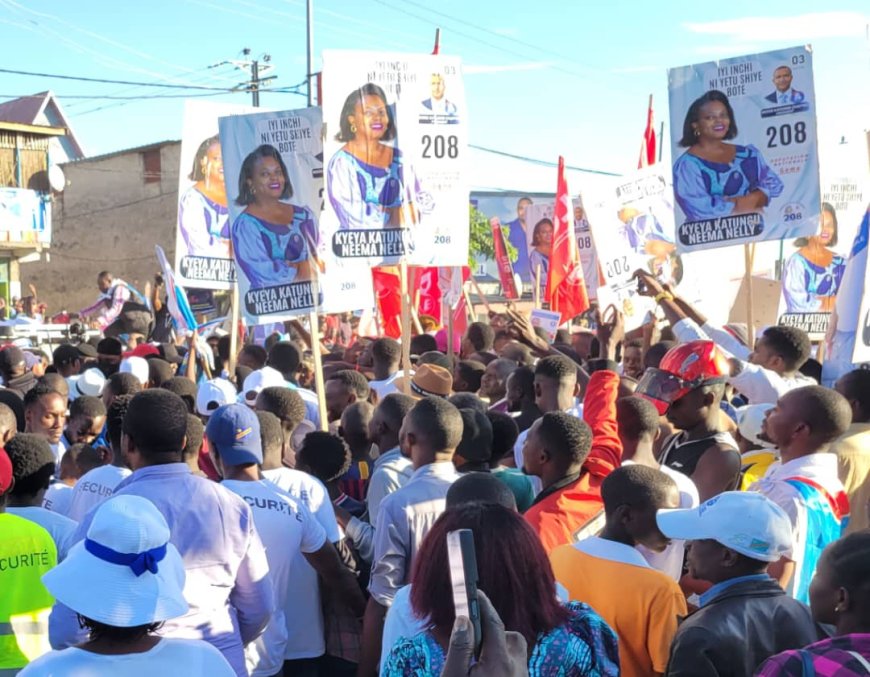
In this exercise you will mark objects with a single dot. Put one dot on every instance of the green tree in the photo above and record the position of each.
(480, 242)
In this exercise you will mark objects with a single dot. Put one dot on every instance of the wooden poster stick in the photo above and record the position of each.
(416, 319)
(234, 332)
(480, 294)
(406, 328)
(747, 261)
(319, 384)
(451, 349)
(538, 287)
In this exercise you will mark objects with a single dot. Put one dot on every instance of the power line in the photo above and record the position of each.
(104, 81)
(544, 163)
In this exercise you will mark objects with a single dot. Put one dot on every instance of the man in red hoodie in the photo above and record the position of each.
(572, 457)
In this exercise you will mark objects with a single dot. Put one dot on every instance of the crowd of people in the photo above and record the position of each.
(687, 504)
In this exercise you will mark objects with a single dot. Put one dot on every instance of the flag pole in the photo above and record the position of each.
(406, 327)
(748, 256)
(659, 140)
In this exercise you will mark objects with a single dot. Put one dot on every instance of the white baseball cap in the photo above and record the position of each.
(125, 572)
(89, 383)
(744, 521)
(749, 420)
(266, 377)
(138, 366)
(213, 394)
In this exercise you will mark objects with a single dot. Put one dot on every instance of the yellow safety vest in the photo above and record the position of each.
(27, 551)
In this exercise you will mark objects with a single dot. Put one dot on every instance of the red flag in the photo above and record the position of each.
(388, 299)
(566, 291)
(648, 145)
(505, 270)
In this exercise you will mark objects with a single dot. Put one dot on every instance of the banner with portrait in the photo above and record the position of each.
(395, 150)
(813, 270)
(745, 150)
(633, 227)
(273, 169)
(510, 210)
(202, 243)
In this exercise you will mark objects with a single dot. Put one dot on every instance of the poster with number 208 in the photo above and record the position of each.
(744, 147)
(395, 151)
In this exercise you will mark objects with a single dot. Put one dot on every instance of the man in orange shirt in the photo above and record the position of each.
(641, 604)
(572, 457)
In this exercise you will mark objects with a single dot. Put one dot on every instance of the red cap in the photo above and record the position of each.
(143, 350)
(5, 472)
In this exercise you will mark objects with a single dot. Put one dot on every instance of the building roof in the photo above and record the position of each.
(42, 109)
(125, 151)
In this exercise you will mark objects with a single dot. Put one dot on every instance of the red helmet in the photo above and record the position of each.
(682, 369)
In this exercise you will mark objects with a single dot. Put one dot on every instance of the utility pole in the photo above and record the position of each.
(256, 69)
(309, 47)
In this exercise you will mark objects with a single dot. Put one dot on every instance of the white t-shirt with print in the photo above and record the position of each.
(311, 492)
(57, 498)
(94, 487)
(287, 529)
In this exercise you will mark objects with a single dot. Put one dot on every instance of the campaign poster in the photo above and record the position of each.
(745, 150)
(273, 169)
(395, 150)
(539, 241)
(813, 270)
(633, 228)
(202, 243)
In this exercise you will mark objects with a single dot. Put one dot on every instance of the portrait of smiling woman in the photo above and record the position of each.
(714, 178)
(274, 241)
(369, 184)
(202, 210)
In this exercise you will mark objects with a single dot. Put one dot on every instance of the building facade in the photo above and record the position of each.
(113, 210)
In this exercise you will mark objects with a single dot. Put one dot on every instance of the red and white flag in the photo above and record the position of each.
(566, 290)
(648, 145)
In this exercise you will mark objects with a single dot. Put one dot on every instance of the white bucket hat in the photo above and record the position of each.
(89, 383)
(126, 572)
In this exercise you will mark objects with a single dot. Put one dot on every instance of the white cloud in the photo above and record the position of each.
(471, 69)
(801, 27)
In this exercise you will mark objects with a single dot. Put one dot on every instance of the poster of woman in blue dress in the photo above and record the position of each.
(812, 275)
(369, 184)
(745, 168)
(273, 170)
(395, 178)
(202, 241)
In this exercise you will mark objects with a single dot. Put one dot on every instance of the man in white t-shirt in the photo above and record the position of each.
(386, 354)
(301, 486)
(805, 482)
(96, 485)
(293, 540)
(638, 423)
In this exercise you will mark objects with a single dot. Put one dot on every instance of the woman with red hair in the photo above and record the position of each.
(514, 572)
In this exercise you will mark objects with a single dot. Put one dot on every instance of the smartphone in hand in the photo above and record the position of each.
(463, 578)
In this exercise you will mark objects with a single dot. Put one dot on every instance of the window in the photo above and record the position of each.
(151, 165)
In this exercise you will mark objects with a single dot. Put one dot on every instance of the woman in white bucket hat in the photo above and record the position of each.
(123, 580)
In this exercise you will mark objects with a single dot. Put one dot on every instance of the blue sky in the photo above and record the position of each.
(551, 77)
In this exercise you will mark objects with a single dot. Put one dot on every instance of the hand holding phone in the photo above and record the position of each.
(503, 653)
(463, 578)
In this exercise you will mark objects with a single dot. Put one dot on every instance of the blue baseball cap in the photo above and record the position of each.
(233, 431)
